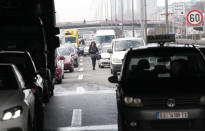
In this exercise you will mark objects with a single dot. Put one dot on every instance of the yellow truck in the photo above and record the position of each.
(71, 36)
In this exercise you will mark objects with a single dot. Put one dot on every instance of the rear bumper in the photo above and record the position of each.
(68, 66)
(147, 119)
(104, 62)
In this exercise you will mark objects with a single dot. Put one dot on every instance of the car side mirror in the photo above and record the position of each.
(109, 51)
(113, 79)
(62, 58)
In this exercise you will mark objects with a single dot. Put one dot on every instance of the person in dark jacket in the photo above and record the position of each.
(93, 50)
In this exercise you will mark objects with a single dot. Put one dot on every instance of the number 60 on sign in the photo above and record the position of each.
(194, 17)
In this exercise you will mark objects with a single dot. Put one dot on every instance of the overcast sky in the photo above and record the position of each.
(78, 10)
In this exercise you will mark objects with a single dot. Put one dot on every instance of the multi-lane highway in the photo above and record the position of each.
(84, 101)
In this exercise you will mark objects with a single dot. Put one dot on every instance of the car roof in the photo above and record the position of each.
(128, 38)
(14, 52)
(169, 47)
(106, 46)
(7, 64)
(104, 32)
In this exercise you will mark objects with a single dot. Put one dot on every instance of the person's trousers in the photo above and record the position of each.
(93, 61)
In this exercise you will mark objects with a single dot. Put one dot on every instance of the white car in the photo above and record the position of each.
(105, 57)
(119, 48)
(18, 106)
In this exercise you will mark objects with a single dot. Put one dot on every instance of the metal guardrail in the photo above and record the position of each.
(190, 41)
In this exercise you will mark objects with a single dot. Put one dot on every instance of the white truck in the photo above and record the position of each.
(103, 37)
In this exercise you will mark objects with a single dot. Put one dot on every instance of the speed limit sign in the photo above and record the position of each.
(194, 17)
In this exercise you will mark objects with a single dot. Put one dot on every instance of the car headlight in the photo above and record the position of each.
(202, 100)
(12, 113)
(134, 102)
(117, 60)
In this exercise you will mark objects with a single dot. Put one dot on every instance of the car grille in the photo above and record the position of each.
(179, 101)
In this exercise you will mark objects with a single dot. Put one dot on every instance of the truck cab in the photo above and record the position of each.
(71, 36)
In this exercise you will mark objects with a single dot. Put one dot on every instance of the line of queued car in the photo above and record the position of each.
(66, 60)
(23, 92)
(160, 87)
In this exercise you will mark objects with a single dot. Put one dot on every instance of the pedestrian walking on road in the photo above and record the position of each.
(93, 50)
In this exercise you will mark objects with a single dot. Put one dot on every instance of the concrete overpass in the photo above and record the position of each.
(69, 25)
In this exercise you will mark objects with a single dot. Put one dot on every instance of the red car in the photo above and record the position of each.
(59, 69)
(65, 55)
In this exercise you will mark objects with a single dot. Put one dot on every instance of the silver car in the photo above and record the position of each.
(18, 109)
(105, 57)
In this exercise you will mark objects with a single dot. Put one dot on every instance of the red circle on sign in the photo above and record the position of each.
(199, 21)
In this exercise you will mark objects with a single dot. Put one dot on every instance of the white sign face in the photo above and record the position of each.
(179, 8)
(194, 17)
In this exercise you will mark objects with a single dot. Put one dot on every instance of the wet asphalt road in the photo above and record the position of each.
(84, 101)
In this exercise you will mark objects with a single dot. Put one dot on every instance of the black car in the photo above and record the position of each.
(25, 64)
(161, 88)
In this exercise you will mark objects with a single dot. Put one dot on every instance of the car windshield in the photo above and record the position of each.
(64, 52)
(174, 65)
(23, 63)
(70, 40)
(104, 39)
(71, 49)
(123, 45)
(7, 79)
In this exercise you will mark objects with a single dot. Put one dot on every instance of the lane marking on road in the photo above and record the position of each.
(80, 90)
(76, 118)
(70, 93)
(81, 64)
(81, 69)
(80, 77)
(81, 57)
(81, 60)
(89, 128)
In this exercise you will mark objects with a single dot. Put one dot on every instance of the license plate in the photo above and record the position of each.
(172, 115)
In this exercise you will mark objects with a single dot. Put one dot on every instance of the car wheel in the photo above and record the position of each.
(60, 81)
(29, 124)
(72, 69)
(50, 83)
(39, 116)
(46, 94)
(119, 122)
(63, 76)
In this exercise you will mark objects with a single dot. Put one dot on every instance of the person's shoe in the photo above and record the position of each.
(93, 68)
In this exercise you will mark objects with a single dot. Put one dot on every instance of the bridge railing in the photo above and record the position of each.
(190, 41)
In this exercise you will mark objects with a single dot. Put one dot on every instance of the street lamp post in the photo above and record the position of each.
(122, 8)
(167, 22)
(145, 21)
(111, 12)
(133, 28)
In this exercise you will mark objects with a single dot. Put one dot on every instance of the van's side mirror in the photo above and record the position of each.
(113, 79)
(109, 51)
